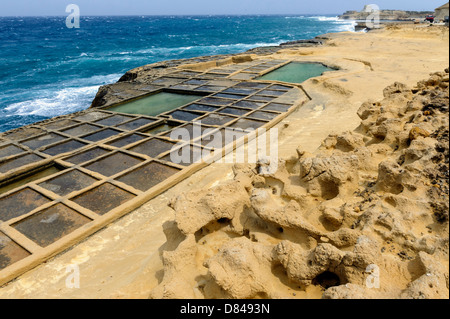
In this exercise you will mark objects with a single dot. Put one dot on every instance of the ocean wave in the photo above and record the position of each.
(349, 26)
(323, 18)
(340, 24)
(210, 48)
(93, 80)
(64, 101)
(75, 95)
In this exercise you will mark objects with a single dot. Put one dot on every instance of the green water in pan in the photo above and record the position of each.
(296, 72)
(155, 104)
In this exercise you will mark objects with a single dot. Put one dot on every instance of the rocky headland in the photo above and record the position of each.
(386, 15)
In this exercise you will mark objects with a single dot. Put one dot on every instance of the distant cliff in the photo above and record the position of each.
(386, 15)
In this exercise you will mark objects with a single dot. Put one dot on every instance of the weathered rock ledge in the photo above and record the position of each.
(391, 15)
(366, 216)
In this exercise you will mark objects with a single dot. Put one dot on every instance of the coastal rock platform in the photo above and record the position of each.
(163, 250)
(108, 163)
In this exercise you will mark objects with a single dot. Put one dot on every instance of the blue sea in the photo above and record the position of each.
(48, 70)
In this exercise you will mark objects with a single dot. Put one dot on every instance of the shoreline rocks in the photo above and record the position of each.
(386, 15)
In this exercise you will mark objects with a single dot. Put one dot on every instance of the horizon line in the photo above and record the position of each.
(202, 14)
(174, 15)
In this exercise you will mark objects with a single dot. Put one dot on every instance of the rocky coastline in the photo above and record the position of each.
(362, 187)
(387, 15)
(135, 81)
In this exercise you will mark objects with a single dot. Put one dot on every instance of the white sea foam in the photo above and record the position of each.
(341, 25)
(347, 26)
(73, 98)
(210, 48)
(93, 80)
(322, 18)
(61, 102)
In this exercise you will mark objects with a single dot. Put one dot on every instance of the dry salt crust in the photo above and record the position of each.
(123, 260)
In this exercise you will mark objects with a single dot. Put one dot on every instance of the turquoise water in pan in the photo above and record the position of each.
(155, 104)
(296, 72)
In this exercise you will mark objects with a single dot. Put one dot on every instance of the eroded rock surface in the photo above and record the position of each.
(366, 216)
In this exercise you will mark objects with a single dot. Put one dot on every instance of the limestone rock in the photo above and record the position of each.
(196, 209)
(327, 176)
(303, 266)
(289, 216)
(396, 88)
(240, 268)
(390, 176)
(375, 198)
(417, 132)
(174, 284)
